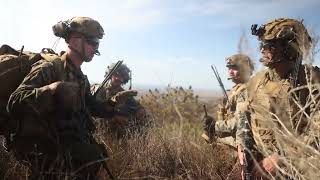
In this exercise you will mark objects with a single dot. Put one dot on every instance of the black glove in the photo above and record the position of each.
(208, 126)
(122, 96)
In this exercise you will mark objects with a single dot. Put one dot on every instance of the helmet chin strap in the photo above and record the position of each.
(81, 53)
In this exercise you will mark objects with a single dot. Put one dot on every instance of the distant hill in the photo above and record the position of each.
(204, 94)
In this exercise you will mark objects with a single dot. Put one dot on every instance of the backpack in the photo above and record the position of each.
(14, 66)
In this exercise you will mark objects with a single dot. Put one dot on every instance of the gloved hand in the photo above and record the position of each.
(208, 126)
(122, 96)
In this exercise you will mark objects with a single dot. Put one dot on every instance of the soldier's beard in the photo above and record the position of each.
(268, 62)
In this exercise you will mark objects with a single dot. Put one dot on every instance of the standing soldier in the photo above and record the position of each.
(273, 106)
(129, 115)
(240, 68)
(53, 106)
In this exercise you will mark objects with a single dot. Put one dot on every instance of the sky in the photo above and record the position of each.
(162, 41)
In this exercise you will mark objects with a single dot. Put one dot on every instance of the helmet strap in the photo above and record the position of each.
(82, 52)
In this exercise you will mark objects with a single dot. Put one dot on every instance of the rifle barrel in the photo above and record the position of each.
(205, 110)
(216, 73)
(108, 76)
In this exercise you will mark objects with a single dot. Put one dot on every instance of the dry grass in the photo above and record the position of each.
(173, 149)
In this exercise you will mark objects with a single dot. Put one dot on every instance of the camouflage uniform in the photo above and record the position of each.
(267, 92)
(225, 128)
(130, 115)
(270, 95)
(55, 130)
(226, 124)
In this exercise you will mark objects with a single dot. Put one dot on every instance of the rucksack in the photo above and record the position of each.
(14, 66)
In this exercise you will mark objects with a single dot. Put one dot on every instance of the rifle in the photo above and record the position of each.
(248, 146)
(205, 110)
(295, 73)
(108, 77)
(216, 73)
(130, 74)
(208, 137)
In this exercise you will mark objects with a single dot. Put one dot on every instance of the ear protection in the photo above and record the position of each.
(61, 29)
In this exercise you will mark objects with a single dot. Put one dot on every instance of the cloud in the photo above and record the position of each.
(154, 23)
(230, 13)
(115, 15)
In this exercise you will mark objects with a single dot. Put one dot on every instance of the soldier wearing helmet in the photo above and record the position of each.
(240, 68)
(54, 107)
(130, 116)
(272, 103)
(83, 29)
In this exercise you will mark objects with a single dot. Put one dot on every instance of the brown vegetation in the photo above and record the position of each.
(173, 149)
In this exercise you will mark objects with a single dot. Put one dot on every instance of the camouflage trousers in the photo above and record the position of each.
(47, 161)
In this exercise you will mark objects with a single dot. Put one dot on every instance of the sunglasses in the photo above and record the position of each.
(267, 45)
(92, 42)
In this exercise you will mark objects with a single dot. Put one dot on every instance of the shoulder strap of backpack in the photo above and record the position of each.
(58, 64)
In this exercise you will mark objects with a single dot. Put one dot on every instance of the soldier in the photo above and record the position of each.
(129, 116)
(272, 104)
(54, 105)
(240, 68)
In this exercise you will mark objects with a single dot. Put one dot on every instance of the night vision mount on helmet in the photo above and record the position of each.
(291, 31)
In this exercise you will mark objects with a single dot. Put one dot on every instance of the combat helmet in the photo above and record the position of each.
(243, 64)
(123, 71)
(89, 27)
(290, 31)
(241, 61)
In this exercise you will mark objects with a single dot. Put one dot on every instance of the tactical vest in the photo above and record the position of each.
(228, 112)
(233, 96)
(270, 101)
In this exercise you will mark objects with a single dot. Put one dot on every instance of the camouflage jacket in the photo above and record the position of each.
(129, 107)
(43, 115)
(272, 108)
(226, 126)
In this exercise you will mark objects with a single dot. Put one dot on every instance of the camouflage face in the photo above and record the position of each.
(86, 26)
(240, 67)
(123, 71)
(290, 33)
